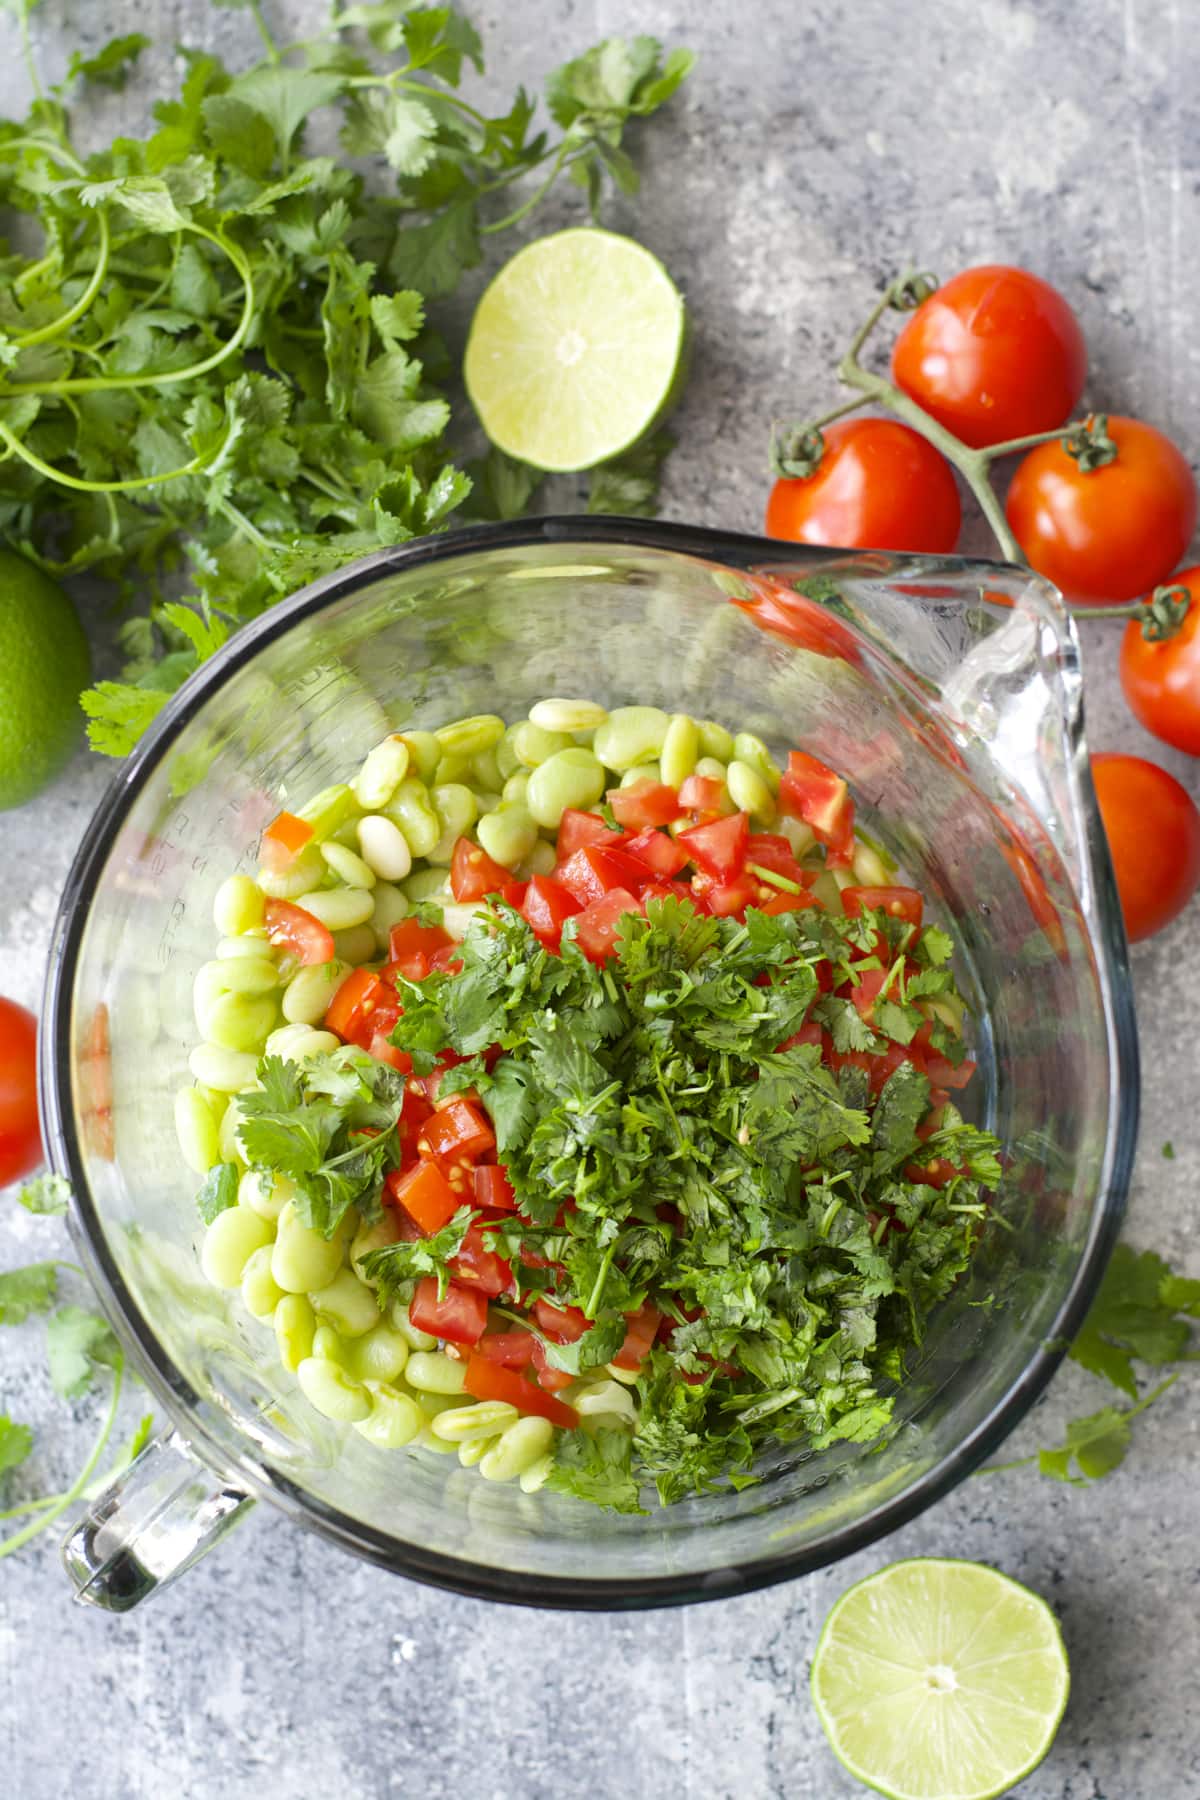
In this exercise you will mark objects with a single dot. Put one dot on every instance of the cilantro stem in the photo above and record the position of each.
(61, 1502)
(30, 60)
(67, 319)
(539, 194)
(264, 32)
(60, 476)
(593, 1299)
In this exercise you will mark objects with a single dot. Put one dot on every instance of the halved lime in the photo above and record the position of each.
(940, 1680)
(574, 349)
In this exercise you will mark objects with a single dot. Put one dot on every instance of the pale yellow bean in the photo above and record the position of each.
(424, 752)
(196, 1129)
(800, 836)
(303, 1260)
(640, 772)
(357, 944)
(750, 749)
(567, 715)
(329, 1346)
(749, 792)
(457, 917)
(425, 1440)
(383, 769)
(534, 1477)
(240, 1021)
(248, 974)
(604, 1400)
(261, 1293)
(519, 1448)
(516, 788)
(870, 870)
(344, 862)
(230, 1242)
(712, 768)
(412, 810)
(473, 1450)
(334, 1393)
(629, 1377)
(238, 905)
(531, 745)
(305, 872)
(227, 1133)
(296, 1042)
(346, 1304)
(630, 735)
(508, 834)
(487, 803)
(294, 1330)
(450, 769)
(413, 1336)
(390, 907)
(541, 859)
(227, 1070)
(384, 847)
(570, 778)
(485, 773)
(681, 749)
(339, 908)
(266, 1192)
(380, 1355)
(307, 996)
(467, 737)
(484, 1419)
(456, 812)
(435, 1373)
(394, 1420)
(250, 943)
(715, 740)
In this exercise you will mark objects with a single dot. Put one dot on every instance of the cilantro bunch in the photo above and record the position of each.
(667, 1140)
(217, 378)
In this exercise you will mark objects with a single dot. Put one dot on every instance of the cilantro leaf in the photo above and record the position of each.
(45, 1194)
(596, 1467)
(77, 1344)
(396, 1266)
(629, 484)
(16, 1441)
(218, 1191)
(28, 1290)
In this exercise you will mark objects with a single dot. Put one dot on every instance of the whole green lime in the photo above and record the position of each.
(44, 663)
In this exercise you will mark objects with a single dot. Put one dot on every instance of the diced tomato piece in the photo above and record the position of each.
(597, 926)
(458, 1132)
(511, 1349)
(493, 1189)
(410, 938)
(282, 841)
(660, 852)
(786, 903)
(547, 906)
(718, 848)
(945, 1074)
(294, 929)
(593, 872)
(815, 793)
(645, 803)
(426, 1195)
(899, 902)
(642, 1330)
(809, 1033)
(351, 1007)
(478, 1266)
(726, 899)
(563, 1324)
(551, 1378)
(938, 1173)
(446, 958)
(460, 1316)
(839, 849)
(487, 1380)
(513, 894)
(473, 874)
(701, 793)
(579, 828)
(768, 850)
(383, 1050)
(865, 992)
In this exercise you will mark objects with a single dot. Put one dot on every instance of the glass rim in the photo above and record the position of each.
(180, 1400)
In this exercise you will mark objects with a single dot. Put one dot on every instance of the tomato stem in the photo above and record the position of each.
(1160, 617)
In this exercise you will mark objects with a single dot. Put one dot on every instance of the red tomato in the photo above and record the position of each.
(596, 927)
(552, 1379)
(511, 1349)
(562, 1324)
(426, 1195)
(701, 794)
(487, 1380)
(411, 938)
(282, 841)
(587, 874)
(493, 1189)
(459, 1317)
(1115, 532)
(20, 1139)
(478, 1266)
(547, 906)
(660, 852)
(769, 850)
(473, 873)
(645, 803)
(642, 1329)
(579, 828)
(718, 848)
(383, 1050)
(879, 486)
(994, 354)
(349, 1012)
(447, 958)
(1153, 831)
(786, 903)
(729, 899)
(900, 902)
(1162, 681)
(296, 930)
(458, 1132)
(817, 795)
(779, 609)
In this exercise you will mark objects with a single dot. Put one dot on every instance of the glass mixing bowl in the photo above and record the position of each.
(948, 692)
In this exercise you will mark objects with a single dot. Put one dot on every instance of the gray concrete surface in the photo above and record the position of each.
(816, 145)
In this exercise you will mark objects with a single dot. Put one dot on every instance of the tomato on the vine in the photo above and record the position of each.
(20, 1140)
(1162, 679)
(1153, 831)
(1108, 533)
(994, 354)
(879, 486)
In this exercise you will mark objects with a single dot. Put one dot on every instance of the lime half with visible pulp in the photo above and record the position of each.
(574, 349)
(44, 662)
(940, 1680)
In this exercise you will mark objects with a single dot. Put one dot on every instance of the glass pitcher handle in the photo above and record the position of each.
(160, 1515)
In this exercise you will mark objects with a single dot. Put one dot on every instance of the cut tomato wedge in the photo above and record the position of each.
(410, 938)
(726, 899)
(642, 1329)
(579, 828)
(488, 1380)
(597, 926)
(351, 1007)
(719, 847)
(478, 1266)
(511, 1349)
(459, 1317)
(898, 902)
(767, 850)
(473, 874)
(554, 1380)
(701, 794)
(662, 854)
(593, 872)
(426, 1195)
(813, 792)
(458, 1132)
(546, 908)
(562, 1324)
(645, 803)
(291, 928)
(493, 1189)
(282, 841)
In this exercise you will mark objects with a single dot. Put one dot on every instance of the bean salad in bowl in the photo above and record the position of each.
(576, 1096)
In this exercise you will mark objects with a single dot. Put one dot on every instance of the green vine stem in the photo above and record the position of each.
(47, 1515)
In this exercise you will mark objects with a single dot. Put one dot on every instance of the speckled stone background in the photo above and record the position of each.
(815, 147)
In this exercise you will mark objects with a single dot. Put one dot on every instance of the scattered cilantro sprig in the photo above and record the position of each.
(217, 377)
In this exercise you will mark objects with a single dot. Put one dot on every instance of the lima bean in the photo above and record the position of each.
(334, 1393)
(749, 791)
(519, 1448)
(379, 1355)
(435, 1373)
(345, 862)
(567, 715)
(196, 1129)
(261, 1293)
(750, 749)
(412, 1334)
(238, 905)
(715, 740)
(680, 750)
(305, 872)
(383, 769)
(227, 1070)
(570, 778)
(532, 746)
(266, 1192)
(357, 944)
(304, 1261)
(394, 1419)
(412, 810)
(456, 812)
(390, 907)
(468, 737)
(294, 1329)
(508, 834)
(516, 787)
(340, 907)
(424, 752)
(630, 735)
(295, 1042)
(346, 1304)
(230, 1242)
(485, 771)
(483, 1420)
